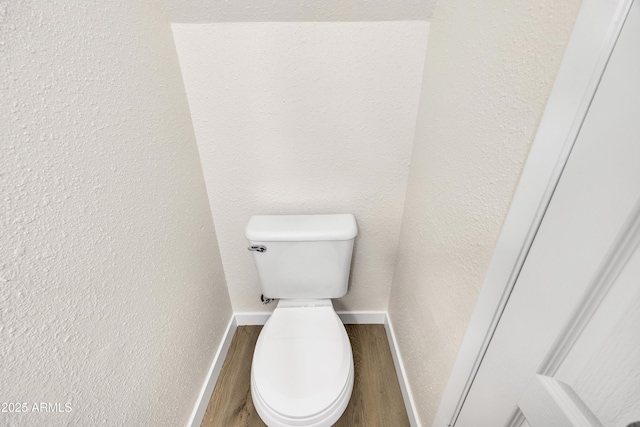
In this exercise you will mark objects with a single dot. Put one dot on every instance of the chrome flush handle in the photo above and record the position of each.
(257, 248)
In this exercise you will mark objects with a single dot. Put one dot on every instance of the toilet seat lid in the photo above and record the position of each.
(302, 360)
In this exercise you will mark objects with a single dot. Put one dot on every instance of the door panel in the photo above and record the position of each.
(552, 403)
(604, 366)
(567, 349)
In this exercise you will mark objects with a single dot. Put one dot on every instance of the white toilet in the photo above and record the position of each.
(302, 371)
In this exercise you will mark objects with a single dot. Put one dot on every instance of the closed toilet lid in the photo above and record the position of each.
(302, 360)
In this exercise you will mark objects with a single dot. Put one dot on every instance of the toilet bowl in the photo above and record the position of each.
(302, 370)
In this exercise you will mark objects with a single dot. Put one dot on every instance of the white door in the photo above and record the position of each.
(566, 351)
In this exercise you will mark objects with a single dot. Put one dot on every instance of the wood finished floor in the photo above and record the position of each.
(376, 399)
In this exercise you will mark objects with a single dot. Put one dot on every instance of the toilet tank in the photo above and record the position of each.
(302, 256)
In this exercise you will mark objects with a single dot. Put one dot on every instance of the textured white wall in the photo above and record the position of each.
(313, 117)
(112, 295)
(207, 11)
(488, 72)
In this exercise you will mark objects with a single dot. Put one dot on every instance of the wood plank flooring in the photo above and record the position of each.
(376, 399)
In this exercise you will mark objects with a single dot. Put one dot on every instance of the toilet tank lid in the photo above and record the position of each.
(301, 228)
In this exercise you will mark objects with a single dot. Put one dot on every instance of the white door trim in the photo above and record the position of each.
(594, 35)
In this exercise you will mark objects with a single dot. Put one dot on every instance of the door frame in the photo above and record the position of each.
(597, 27)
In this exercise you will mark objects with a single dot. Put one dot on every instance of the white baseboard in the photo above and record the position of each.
(260, 318)
(362, 317)
(347, 317)
(401, 374)
(252, 318)
(212, 376)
